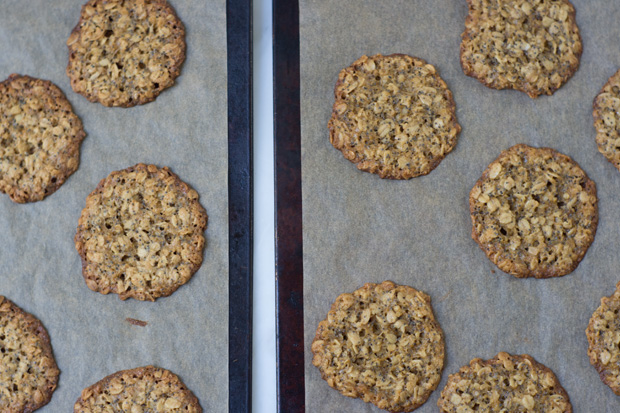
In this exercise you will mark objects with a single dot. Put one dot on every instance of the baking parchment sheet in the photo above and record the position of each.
(359, 228)
(184, 128)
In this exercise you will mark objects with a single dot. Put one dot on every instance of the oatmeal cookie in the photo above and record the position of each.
(603, 334)
(505, 383)
(141, 233)
(531, 46)
(393, 116)
(29, 373)
(40, 138)
(144, 389)
(125, 52)
(607, 120)
(534, 212)
(381, 344)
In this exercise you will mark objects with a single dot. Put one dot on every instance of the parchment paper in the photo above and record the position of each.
(185, 129)
(359, 228)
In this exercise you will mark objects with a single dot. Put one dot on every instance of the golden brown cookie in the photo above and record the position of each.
(40, 138)
(534, 212)
(125, 52)
(141, 233)
(603, 334)
(531, 46)
(393, 116)
(29, 374)
(607, 120)
(144, 389)
(506, 383)
(382, 344)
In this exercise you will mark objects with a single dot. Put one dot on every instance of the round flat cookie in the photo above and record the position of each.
(603, 334)
(29, 374)
(506, 383)
(40, 138)
(141, 233)
(531, 46)
(534, 212)
(393, 116)
(125, 52)
(607, 120)
(144, 389)
(381, 344)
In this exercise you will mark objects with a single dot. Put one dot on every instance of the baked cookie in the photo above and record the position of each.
(534, 212)
(603, 334)
(144, 389)
(29, 374)
(505, 383)
(125, 52)
(40, 138)
(393, 116)
(141, 233)
(531, 46)
(382, 344)
(607, 120)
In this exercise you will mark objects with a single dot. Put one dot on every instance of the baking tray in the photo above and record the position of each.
(202, 129)
(417, 232)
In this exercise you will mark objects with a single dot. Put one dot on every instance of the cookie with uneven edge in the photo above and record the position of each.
(506, 383)
(531, 46)
(393, 116)
(534, 212)
(144, 389)
(607, 120)
(383, 345)
(40, 138)
(29, 374)
(125, 52)
(603, 334)
(141, 233)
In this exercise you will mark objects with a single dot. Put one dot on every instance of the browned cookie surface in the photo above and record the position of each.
(125, 52)
(382, 344)
(534, 212)
(144, 389)
(505, 383)
(141, 233)
(393, 116)
(531, 46)
(607, 120)
(29, 374)
(40, 138)
(603, 334)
